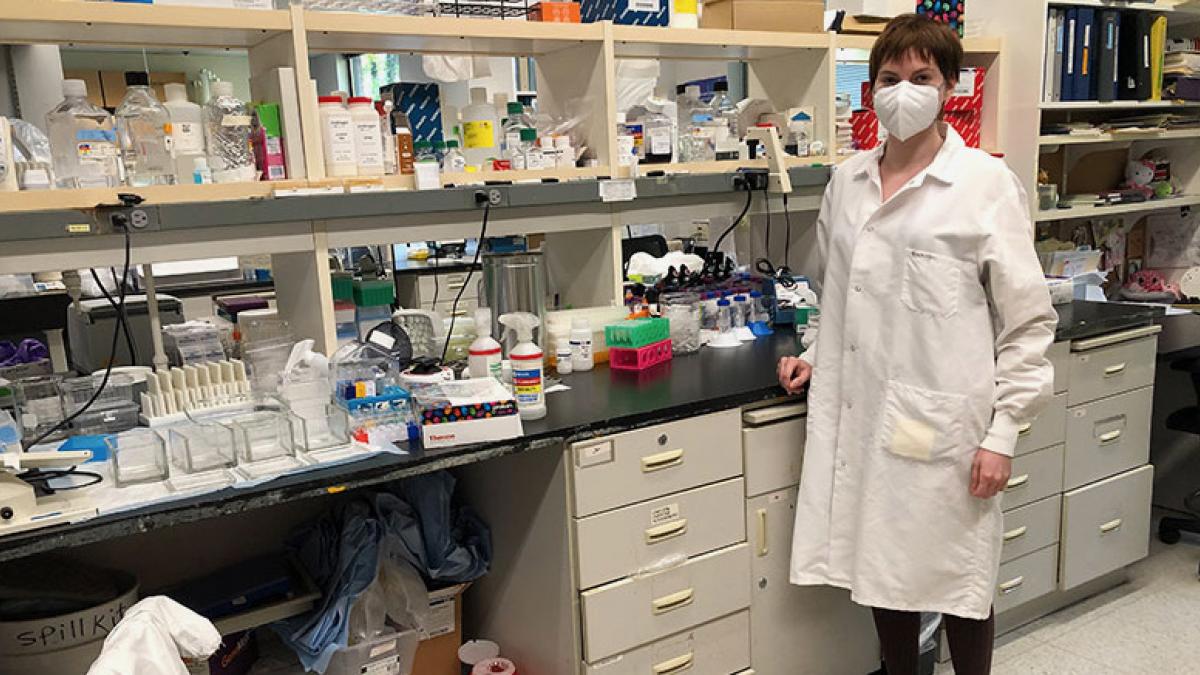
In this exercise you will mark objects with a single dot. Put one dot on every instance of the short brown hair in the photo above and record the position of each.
(923, 36)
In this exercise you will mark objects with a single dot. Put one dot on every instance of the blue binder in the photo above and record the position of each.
(1085, 60)
(1069, 58)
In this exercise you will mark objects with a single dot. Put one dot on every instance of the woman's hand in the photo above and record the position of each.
(794, 373)
(989, 473)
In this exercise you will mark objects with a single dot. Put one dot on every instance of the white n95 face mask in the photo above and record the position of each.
(906, 109)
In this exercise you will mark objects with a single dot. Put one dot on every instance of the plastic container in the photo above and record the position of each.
(145, 134)
(337, 137)
(343, 285)
(480, 129)
(727, 136)
(263, 437)
(384, 109)
(227, 136)
(201, 174)
(626, 143)
(527, 366)
(741, 311)
(683, 312)
(636, 333)
(583, 357)
(405, 152)
(374, 292)
(564, 153)
(112, 419)
(684, 14)
(77, 391)
(201, 447)
(640, 358)
(484, 354)
(368, 143)
(389, 654)
(83, 141)
(515, 120)
(426, 168)
(39, 406)
(326, 428)
(137, 456)
(453, 161)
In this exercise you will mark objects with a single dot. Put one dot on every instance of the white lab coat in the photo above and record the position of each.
(935, 320)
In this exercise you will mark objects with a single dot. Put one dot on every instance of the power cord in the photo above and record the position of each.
(112, 356)
(787, 243)
(122, 318)
(736, 221)
(482, 198)
(767, 202)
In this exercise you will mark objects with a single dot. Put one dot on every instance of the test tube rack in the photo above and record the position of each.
(216, 386)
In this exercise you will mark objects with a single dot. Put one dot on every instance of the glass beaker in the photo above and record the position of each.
(683, 311)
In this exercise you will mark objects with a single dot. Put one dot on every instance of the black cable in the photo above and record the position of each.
(787, 242)
(487, 209)
(629, 231)
(43, 477)
(122, 317)
(736, 221)
(437, 288)
(112, 356)
(767, 202)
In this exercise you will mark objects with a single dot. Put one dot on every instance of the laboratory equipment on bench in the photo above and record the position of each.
(484, 354)
(527, 365)
(426, 370)
(27, 503)
(683, 311)
(778, 182)
(582, 356)
(638, 344)
(90, 325)
(467, 411)
(725, 338)
(515, 282)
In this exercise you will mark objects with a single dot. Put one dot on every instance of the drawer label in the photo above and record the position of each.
(594, 455)
(664, 514)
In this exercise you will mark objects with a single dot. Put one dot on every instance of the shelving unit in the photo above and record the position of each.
(1117, 209)
(1118, 137)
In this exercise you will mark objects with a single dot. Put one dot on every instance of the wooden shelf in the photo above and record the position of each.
(971, 45)
(1167, 135)
(86, 198)
(355, 32)
(1117, 209)
(1117, 105)
(137, 25)
(709, 43)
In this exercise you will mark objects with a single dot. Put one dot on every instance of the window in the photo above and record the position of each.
(369, 72)
(850, 78)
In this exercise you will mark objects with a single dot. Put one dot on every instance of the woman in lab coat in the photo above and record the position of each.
(935, 320)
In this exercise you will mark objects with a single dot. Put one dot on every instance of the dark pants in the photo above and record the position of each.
(971, 642)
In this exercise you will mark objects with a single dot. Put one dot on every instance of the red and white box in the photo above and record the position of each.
(964, 110)
(865, 127)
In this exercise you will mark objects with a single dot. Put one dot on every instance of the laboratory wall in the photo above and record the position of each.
(231, 67)
(8, 100)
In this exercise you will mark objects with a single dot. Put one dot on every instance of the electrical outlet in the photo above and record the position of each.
(756, 179)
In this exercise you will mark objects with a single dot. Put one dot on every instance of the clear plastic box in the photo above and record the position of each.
(137, 456)
(321, 429)
(39, 406)
(388, 654)
(77, 391)
(112, 418)
(265, 443)
(202, 455)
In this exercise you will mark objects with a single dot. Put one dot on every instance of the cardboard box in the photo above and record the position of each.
(626, 12)
(875, 8)
(441, 636)
(555, 12)
(791, 16)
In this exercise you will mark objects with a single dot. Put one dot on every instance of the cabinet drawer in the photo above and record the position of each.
(1031, 527)
(1107, 437)
(1050, 427)
(656, 461)
(774, 452)
(625, 541)
(446, 286)
(1114, 369)
(625, 614)
(717, 648)
(1105, 526)
(1059, 356)
(1026, 578)
(1034, 476)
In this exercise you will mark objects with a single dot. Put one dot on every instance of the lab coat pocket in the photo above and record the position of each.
(931, 283)
(922, 424)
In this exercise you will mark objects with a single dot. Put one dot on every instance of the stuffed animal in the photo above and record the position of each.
(1151, 281)
(1139, 175)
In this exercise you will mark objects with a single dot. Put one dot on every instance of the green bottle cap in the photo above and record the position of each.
(515, 108)
(421, 145)
(438, 145)
(452, 144)
(528, 134)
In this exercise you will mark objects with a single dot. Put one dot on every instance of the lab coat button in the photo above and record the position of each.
(853, 348)
(857, 288)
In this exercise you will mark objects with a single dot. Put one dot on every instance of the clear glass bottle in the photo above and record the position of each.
(534, 157)
(695, 132)
(453, 161)
(227, 135)
(741, 311)
(626, 142)
(727, 136)
(424, 152)
(724, 316)
(658, 145)
(515, 120)
(144, 132)
(83, 141)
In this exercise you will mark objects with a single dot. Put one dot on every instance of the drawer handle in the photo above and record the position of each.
(1017, 481)
(1110, 436)
(1114, 370)
(661, 533)
(674, 601)
(456, 287)
(1016, 534)
(762, 532)
(675, 665)
(663, 460)
(1111, 526)
(1025, 429)
(1010, 586)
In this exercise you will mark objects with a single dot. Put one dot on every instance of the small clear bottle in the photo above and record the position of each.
(83, 141)
(724, 316)
(453, 161)
(534, 158)
(727, 136)
(626, 142)
(760, 311)
(144, 131)
(515, 120)
(658, 146)
(227, 133)
(741, 311)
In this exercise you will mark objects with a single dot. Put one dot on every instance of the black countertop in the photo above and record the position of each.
(600, 402)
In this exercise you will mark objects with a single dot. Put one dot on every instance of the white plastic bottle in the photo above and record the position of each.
(483, 356)
(337, 137)
(453, 161)
(626, 153)
(201, 174)
(527, 365)
(368, 143)
(581, 345)
(8, 168)
(480, 129)
(187, 131)
(83, 141)
(564, 153)
(384, 108)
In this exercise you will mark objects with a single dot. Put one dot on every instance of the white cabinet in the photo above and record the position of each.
(716, 648)
(797, 630)
(1105, 526)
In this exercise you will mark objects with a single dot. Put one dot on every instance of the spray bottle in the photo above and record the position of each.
(484, 353)
(527, 364)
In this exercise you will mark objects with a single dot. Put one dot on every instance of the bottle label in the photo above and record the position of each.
(625, 147)
(479, 134)
(517, 161)
(458, 165)
(512, 140)
(660, 141)
(370, 145)
(404, 152)
(339, 141)
(189, 138)
(96, 145)
(527, 384)
(235, 121)
(581, 350)
(534, 161)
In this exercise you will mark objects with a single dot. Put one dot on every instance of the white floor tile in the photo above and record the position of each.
(1046, 659)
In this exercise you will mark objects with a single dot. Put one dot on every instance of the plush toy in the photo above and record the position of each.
(1139, 175)
(1151, 281)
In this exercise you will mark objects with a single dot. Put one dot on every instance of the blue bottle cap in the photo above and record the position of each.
(756, 294)
(740, 298)
(723, 302)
